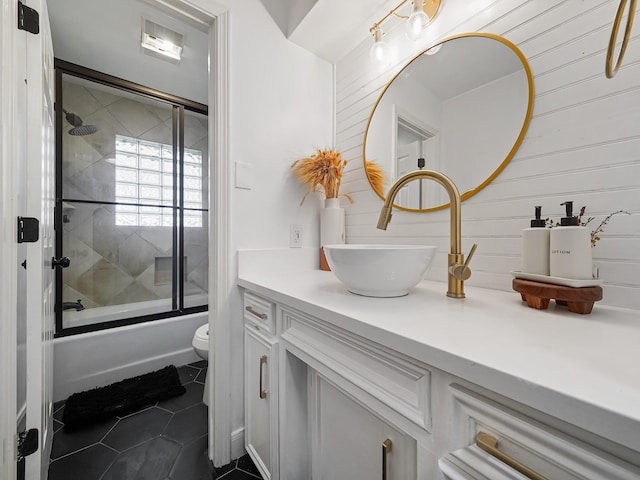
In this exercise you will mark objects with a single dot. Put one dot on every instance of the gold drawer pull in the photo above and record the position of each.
(386, 449)
(262, 316)
(263, 361)
(490, 445)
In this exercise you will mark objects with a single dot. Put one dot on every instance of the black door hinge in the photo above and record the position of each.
(27, 443)
(28, 229)
(28, 19)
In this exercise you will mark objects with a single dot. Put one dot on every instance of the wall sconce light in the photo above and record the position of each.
(378, 52)
(422, 13)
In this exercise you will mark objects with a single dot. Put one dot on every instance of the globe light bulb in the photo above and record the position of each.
(417, 21)
(378, 53)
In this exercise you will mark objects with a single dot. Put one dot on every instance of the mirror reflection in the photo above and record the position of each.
(462, 108)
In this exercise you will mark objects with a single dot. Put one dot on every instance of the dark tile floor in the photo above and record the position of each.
(164, 441)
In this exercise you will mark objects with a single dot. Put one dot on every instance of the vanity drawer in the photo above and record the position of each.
(259, 311)
(502, 443)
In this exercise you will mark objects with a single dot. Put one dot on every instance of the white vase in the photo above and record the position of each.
(331, 227)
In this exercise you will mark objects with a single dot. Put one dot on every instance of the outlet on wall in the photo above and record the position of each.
(295, 236)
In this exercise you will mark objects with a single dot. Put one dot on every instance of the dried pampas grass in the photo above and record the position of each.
(376, 176)
(321, 172)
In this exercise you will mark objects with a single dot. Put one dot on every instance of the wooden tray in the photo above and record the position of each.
(537, 295)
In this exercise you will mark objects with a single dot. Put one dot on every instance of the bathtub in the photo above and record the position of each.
(90, 316)
(89, 360)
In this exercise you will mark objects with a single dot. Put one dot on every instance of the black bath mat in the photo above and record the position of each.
(127, 396)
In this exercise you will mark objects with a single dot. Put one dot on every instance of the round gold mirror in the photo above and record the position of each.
(461, 107)
(611, 67)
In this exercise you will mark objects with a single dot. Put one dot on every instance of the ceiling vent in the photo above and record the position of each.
(161, 42)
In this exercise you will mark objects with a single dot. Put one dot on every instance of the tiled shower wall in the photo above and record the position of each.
(583, 143)
(110, 264)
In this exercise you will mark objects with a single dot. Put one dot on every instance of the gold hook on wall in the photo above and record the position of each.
(610, 69)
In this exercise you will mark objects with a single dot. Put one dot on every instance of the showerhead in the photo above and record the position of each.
(78, 128)
(83, 130)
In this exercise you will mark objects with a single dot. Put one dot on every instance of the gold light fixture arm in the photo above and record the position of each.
(391, 12)
(431, 8)
(609, 69)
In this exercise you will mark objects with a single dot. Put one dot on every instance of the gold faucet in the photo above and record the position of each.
(458, 269)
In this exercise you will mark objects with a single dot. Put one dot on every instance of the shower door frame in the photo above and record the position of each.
(177, 103)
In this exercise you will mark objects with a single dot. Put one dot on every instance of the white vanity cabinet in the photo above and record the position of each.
(260, 385)
(376, 388)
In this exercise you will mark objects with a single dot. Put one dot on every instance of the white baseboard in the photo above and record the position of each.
(237, 443)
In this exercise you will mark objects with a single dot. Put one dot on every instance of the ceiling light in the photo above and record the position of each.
(422, 13)
(160, 45)
(160, 41)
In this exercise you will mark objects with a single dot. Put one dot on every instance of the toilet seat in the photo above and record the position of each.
(201, 341)
(200, 344)
(203, 332)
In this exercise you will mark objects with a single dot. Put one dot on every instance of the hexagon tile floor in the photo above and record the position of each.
(164, 441)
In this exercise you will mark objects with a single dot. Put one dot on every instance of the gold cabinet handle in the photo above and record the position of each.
(263, 361)
(610, 69)
(262, 316)
(386, 449)
(490, 445)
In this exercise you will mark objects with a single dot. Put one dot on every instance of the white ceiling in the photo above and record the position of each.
(104, 35)
(332, 28)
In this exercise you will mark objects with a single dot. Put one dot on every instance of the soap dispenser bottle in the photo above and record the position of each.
(570, 248)
(535, 246)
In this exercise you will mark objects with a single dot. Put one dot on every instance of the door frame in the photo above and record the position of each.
(221, 281)
(219, 240)
(400, 116)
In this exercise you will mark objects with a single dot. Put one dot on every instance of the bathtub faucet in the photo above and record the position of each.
(71, 305)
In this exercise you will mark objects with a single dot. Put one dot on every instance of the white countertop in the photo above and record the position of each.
(584, 369)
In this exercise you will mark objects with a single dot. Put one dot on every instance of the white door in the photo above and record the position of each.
(9, 118)
(35, 136)
(40, 294)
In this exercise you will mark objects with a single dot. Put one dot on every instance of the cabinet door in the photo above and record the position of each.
(259, 392)
(350, 442)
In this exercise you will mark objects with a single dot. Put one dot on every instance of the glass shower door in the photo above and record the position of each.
(122, 202)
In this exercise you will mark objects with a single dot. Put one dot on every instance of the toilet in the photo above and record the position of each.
(200, 344)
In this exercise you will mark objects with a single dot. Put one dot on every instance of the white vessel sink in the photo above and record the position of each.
(379, 270)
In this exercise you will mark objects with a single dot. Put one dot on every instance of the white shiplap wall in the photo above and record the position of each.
(583, 143)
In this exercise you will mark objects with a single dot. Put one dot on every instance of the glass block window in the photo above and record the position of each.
(144, 176)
